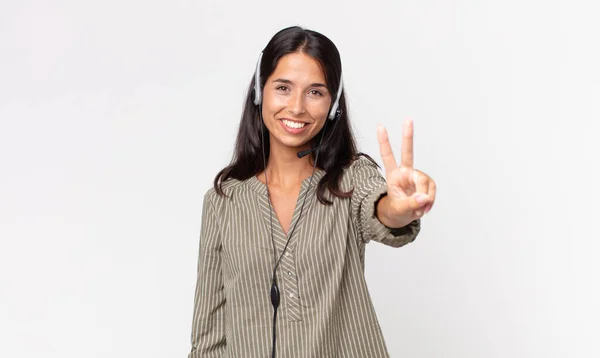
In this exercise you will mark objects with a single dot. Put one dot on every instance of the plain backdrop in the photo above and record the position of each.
(115, 117)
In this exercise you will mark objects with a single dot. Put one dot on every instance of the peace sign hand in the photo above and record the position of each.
(410, 192)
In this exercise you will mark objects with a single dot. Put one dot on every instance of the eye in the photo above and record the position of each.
(316, 93)
(281, 88)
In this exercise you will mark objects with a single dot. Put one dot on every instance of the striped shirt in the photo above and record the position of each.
(325, 309)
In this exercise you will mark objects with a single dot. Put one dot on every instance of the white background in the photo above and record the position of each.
(115, 117)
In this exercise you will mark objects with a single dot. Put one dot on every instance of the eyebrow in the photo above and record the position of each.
(283, 80)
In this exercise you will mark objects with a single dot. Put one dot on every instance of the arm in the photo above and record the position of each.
(369, 190)
(208, 323)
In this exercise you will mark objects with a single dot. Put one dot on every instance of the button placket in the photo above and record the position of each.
(288, 267)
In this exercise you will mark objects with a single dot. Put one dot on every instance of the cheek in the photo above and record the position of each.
(320, 125)
(269, 108)
(319, 111)
(273, 102)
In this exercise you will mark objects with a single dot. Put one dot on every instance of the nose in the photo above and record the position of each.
(296, 104)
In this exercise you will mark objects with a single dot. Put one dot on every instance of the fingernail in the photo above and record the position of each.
(422, 198)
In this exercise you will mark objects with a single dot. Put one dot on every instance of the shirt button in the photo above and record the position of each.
(287, 254)
(289, 273)
(292, 295)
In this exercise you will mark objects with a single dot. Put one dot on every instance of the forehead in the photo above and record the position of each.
(299, 67)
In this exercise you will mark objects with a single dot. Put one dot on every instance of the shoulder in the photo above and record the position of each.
(362, 162)
(360, 169)
(363, 167)
(231, 188)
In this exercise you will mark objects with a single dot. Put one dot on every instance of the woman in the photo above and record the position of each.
(281, 263)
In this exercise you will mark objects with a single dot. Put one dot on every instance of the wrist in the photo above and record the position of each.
(381, 208)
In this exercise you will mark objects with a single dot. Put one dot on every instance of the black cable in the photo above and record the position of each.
(274, 333)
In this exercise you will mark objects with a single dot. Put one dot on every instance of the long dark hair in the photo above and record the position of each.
(336, 153)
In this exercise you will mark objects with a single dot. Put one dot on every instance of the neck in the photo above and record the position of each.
(284, 169)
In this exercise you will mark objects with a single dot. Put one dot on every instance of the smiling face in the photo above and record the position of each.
(295, 101)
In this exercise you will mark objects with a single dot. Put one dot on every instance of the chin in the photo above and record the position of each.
(294, 144)
(297, 143)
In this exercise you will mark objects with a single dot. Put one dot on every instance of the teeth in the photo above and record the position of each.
(293, 124)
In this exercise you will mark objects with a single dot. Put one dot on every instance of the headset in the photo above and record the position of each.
(334, 115)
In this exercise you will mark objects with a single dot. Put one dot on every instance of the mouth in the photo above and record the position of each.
(293, 127)
(293, 124)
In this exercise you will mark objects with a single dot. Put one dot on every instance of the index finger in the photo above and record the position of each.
(389, 162)
(407, 144)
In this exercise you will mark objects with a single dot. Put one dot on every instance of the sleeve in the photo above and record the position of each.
(369, 187)
(208, 323)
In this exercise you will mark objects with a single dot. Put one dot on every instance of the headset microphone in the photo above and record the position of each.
(304, 153)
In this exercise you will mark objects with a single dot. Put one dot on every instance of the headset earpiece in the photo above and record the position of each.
(335, 112)
(257, 91)
(338, 114)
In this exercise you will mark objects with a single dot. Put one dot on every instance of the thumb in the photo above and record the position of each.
(418, 200)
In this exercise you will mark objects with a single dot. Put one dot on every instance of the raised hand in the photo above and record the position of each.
(410, 192)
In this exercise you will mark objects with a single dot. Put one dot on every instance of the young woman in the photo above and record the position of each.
(281, 262)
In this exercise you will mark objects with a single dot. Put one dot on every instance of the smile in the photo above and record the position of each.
(292, 127)
(293, 124)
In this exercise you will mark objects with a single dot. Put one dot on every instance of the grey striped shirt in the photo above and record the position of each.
(326, 309)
